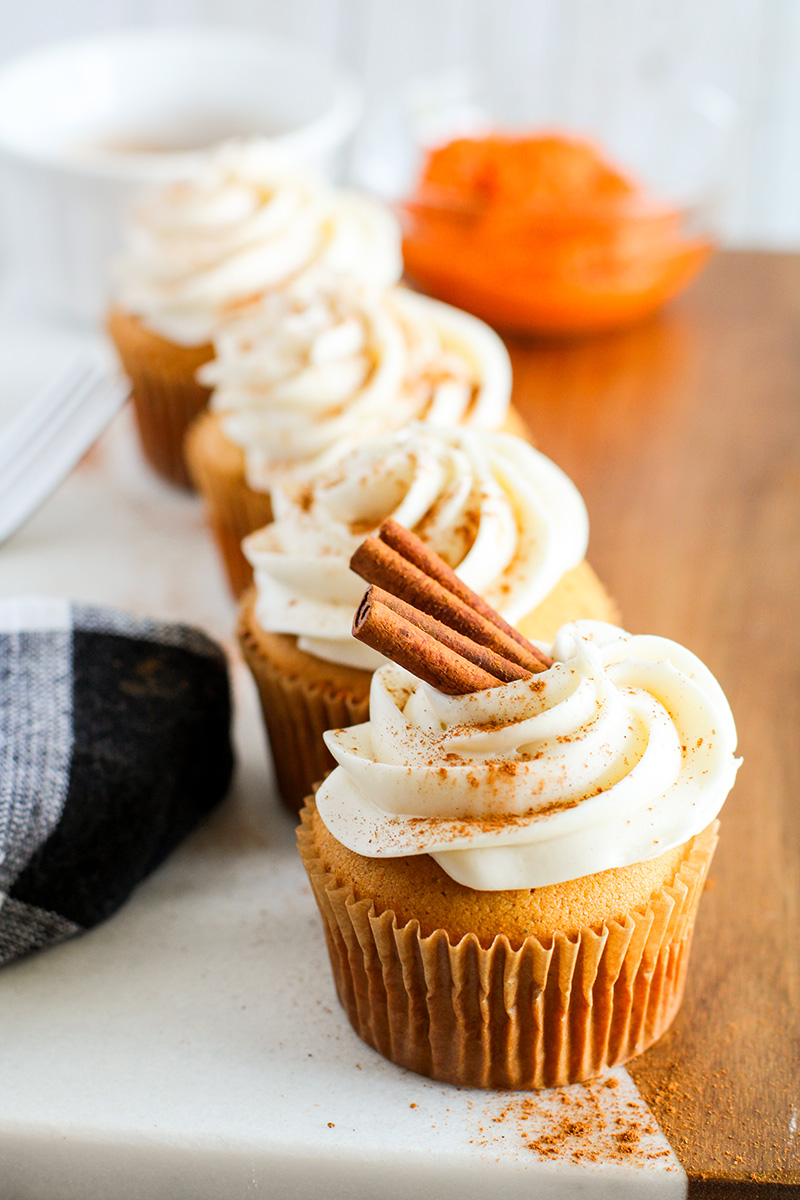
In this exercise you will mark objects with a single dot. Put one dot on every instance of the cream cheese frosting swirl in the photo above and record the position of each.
(316, 368)
(623, 749)
(504, 517)
(246, 225)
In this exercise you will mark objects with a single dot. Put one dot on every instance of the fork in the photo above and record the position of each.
(50, 435)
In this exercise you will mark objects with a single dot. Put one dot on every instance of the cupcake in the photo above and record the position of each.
(505, 520)
(508, 878)
(200, 249)
(312, 371)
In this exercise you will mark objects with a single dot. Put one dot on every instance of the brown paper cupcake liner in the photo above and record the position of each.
(164, 408)
(232, 516)
(237, 568)
(165, 394)
(234, 509)
(296, 713)
(536, 1015)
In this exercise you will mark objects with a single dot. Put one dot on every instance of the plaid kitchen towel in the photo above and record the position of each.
(114, 742)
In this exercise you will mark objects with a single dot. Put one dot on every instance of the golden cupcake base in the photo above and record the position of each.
(165, 393)
(578, 595)
(547, 1009)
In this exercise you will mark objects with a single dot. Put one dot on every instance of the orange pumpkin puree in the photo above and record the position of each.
(541, 234)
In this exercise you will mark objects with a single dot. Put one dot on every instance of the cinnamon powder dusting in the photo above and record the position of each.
(588, 1123)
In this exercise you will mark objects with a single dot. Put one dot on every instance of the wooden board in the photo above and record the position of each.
(684, 437)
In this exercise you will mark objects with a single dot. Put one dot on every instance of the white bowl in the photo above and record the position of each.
(85, 125)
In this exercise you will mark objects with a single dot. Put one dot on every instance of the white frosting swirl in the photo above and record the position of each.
(622, 750)
(245, 226)
(502, 515)
(315, 369)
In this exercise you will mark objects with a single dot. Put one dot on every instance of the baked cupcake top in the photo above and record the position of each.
(502, 515)
(318, 367)
(247, 225)
(619, 751)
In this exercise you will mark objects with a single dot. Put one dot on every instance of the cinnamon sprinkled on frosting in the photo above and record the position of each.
(621, 750)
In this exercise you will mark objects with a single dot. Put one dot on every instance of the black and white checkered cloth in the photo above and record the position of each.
(114, 742)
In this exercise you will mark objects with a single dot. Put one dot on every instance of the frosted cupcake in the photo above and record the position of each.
(509, 878)
(201, 249)
(312, 372)
(505, 519)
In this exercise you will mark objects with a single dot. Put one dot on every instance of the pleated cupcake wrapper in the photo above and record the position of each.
(296, 713)
(233, 513)
(541, 1015)
(232, 517)
(164, 409)
(166, 399)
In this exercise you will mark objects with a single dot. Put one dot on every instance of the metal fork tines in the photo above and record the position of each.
(50, 435)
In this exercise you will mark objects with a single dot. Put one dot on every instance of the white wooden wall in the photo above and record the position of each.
(532, 58)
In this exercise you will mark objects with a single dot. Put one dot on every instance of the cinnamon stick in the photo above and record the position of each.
(384, 630)
(414, 550)
(380, 564)
(503, 669)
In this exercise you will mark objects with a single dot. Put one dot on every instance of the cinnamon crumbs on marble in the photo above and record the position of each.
(577, 1126)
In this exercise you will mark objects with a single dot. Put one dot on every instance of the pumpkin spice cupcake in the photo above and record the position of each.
(508, 868)
(314, 370)
(505, 519)
(198, 250)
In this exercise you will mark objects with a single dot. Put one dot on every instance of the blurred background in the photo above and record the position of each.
(525, 61)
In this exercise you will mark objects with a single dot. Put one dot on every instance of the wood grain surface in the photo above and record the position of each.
(684, 437)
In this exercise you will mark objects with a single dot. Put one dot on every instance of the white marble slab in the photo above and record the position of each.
(193, 1045)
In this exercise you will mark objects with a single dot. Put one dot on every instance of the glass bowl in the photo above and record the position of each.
(555, 268)
(534, 258)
